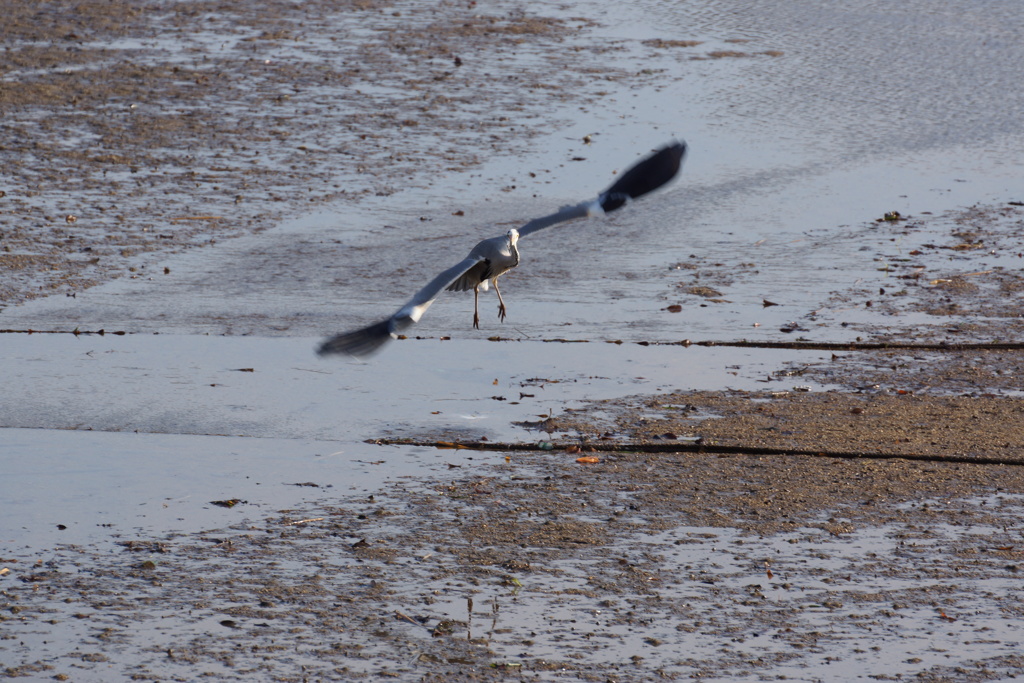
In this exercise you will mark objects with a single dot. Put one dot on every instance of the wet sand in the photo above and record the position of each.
(775, 437)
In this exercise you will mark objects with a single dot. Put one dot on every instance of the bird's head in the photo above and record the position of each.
(513, 237)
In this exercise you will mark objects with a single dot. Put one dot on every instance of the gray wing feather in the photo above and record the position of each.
(566, 213)
(643, 177)
(370, 339)
(441, 283)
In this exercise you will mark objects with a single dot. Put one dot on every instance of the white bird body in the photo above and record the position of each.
(492, 257)
(495, 256)
(485, 263)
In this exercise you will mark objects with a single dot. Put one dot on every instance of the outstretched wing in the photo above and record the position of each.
(647, 175)
(365, 341)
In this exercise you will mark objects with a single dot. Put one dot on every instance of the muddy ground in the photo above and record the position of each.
(133, 129)
(869, 531)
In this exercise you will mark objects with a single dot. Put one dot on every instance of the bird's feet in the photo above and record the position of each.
(476, 321)
(501, 312)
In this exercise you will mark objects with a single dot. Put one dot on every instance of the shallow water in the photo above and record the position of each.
(84, 487)
(277, 387)
(166, 422)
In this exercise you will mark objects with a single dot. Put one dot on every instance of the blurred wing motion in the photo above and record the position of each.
(645, 176)
(367, 340)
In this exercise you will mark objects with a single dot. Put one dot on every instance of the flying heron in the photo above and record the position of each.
(497, 255)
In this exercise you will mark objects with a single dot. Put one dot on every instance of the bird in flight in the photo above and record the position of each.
(497, 255)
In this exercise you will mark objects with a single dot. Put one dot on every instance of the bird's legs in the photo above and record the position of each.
(476, 307)
(501, 302)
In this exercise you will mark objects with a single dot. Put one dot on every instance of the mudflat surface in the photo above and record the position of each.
(762, 425)
(136, 129)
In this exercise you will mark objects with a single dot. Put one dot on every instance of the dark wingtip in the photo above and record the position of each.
(645, 176)
(359, 343)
